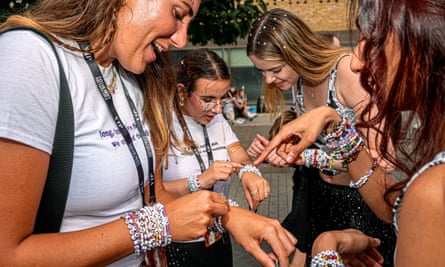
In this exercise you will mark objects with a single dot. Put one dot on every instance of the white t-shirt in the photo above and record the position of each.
(104, 181)
(221, 135)
(181, 165)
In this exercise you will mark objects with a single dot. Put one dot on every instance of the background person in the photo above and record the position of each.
(331, 38)
(229, 107)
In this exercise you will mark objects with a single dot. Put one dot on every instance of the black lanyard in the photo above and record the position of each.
(100, 82)
(196, 150)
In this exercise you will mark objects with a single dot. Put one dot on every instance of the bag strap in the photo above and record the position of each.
(53, 202)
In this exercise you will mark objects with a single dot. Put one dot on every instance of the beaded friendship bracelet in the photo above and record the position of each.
(249, 168)
(320, 159)
(327, 258)
(362, 181)
(344, 143)
(148, 228)
(193, 183)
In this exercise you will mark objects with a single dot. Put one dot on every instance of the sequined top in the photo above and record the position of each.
(332, 100)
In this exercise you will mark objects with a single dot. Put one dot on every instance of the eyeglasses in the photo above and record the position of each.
(208, 102)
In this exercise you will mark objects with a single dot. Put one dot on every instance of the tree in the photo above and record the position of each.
(9, 7)
(224, 21)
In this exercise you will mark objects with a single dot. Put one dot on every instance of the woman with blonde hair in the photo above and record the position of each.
(400, 58)
(290, 56)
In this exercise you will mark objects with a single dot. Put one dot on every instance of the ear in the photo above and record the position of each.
(180, 90)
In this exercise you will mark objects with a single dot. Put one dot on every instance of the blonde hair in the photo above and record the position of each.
(95, 21)
(279, 35)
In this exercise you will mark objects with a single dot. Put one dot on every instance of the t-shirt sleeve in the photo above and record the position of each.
(29, 94)
(230, 135)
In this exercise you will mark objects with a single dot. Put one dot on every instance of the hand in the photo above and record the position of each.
(355, 248)
(220, 170)
(257, 147)
(189, 216)
(256, 189)
(306, 127)
(250, 230)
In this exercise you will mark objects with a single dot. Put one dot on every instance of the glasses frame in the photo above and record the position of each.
(209, 105)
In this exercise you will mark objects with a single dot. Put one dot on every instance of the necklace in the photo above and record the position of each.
(112, 86)
(106, 73)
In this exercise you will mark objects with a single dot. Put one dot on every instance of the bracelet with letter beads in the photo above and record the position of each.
(362, 181)
(249, 168)
(130, 219)
(327, 258)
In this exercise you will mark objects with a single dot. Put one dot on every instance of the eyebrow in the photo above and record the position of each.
(189, 4)
(214, 97)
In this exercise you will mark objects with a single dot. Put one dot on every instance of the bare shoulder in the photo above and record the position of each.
(428, 189)
(421, 221)
(426, 195)
(347, 84)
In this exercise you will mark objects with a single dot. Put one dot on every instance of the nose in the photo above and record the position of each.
(218, 107)
(179, 38)
(268, 77)
(357, 63)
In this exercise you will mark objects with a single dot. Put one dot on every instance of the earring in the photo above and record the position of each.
(181, 101)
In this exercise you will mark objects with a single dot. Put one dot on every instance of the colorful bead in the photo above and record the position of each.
(327, 258)
(148, 228)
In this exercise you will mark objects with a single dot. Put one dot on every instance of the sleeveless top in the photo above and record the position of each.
(332, 100)
(438, 159)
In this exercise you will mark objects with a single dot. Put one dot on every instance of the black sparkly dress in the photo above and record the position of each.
(318, 206)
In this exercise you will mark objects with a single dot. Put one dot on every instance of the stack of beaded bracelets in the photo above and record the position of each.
(148, 227)
(328, 258)
(344, 142)
(318, 158)
(249, 168)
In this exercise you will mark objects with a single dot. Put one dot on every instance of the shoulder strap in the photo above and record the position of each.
(52, 204)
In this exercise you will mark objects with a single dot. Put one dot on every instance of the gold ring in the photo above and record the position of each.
(254, 193)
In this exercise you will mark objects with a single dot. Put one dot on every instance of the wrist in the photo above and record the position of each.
(193, 183)
(148, 228)
(325, 241)
(330, 116)
(364, 179)
(221, 221)
(249, 168)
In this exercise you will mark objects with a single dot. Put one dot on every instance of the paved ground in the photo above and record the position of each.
(278, 204)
